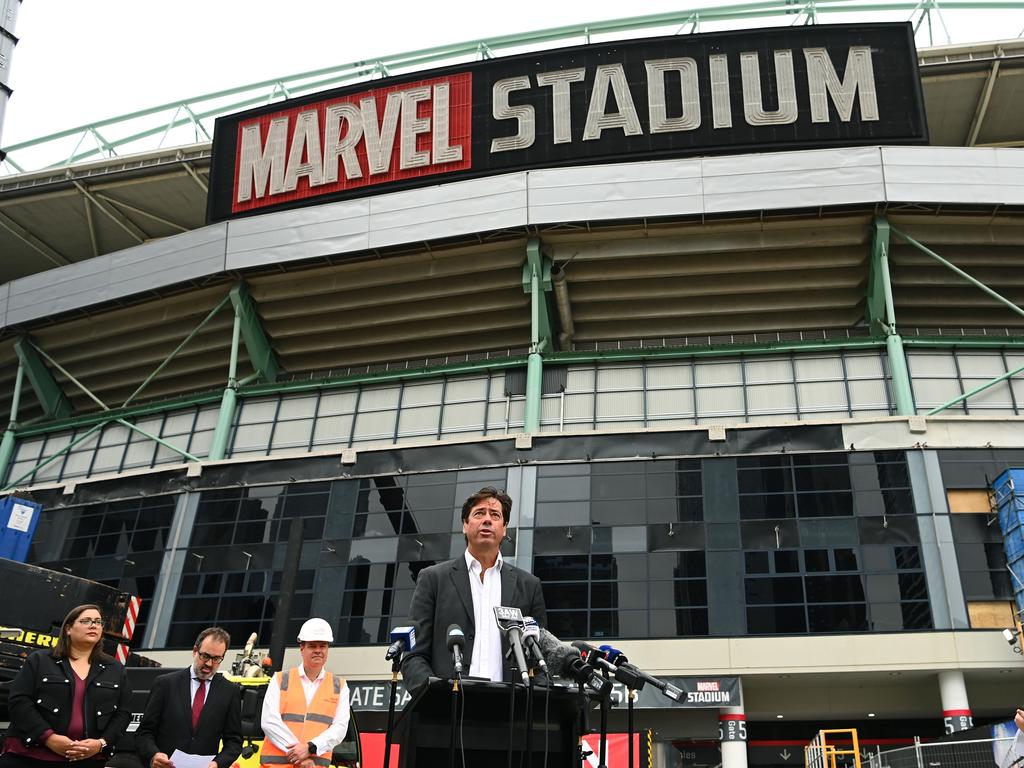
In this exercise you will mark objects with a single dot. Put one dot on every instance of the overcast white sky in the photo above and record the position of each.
(79, 61)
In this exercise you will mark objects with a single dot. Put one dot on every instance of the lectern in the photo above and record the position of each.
(424, 728)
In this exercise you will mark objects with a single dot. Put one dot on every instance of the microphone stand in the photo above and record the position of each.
(602, 761)
(529, 723)
(396, 665)
(453, 729)
(511, 707)
(629, 726)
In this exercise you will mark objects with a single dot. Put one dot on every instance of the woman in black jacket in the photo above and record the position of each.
(68, 705)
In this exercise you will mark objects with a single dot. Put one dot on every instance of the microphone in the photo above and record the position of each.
(558, 654)
(588, 652)
(565, 661)
(618, 658)
(402, 639)
(456, 641)
(510, 621)
(531, 636)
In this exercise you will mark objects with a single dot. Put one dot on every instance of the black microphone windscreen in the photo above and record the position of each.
(456, 637)
(559, 656)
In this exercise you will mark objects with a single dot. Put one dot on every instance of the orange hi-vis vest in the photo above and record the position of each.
(306, 722)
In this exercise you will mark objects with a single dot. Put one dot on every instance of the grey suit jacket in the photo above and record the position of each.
(442, 598)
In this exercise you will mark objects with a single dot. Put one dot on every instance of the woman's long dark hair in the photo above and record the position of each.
(63, 648)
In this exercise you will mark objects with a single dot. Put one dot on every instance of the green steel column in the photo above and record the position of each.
(903, 393)
(219, 445)
(536, 280)
(7, 444)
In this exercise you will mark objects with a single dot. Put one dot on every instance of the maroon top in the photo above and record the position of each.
(76, 729)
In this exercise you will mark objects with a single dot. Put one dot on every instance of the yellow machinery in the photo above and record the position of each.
(833, 748)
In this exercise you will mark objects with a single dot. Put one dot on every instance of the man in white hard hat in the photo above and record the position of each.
(306, 709)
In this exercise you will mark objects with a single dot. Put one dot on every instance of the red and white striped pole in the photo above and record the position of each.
(130, 618)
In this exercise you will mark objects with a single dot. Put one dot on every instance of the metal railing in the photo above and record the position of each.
(191, 120)
(976, 753)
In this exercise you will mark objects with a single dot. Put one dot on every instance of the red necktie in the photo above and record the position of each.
(197, 703)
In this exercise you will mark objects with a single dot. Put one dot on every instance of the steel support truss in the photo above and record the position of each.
(57, 407)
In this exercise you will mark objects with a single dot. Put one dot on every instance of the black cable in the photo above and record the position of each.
(547, 698)
(462, 723)
(511, 720)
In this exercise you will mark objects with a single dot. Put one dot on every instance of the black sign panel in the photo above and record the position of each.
(749, 91)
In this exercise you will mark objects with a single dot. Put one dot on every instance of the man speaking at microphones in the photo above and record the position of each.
(464, 592)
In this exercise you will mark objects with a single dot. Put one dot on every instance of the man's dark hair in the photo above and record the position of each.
(488, 492)
(216, 633)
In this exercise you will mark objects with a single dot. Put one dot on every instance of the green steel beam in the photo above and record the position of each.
(975, 390)
(195, 331)
(221, 103)
(876, 312)
(536, 282)
(261, 354)
(881, 314)
(226, 415)
(47, 461)
(158, 440)
(52, 398)
(9, 438)
(954, 268)
(505, 363)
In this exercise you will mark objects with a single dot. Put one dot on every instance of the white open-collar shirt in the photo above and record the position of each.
(486, 661)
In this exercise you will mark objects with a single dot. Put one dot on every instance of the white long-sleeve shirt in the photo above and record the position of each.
(487, 659)
(274, 727)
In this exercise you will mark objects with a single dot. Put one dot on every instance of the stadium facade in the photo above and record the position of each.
(749, 404)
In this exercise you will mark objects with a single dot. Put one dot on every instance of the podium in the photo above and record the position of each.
(424, 729)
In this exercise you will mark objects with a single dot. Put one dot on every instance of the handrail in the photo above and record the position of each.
(149, 129)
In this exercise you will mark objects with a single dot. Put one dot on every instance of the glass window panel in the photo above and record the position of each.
(816, 560)
(996, 396)
(899, 502)
(254, 437)
(428, 393)
(559, 513)
(846, 559)
(302, 407)
(292, 434)
(756, 562)
(108, 459)
(335, 403)
(837, 618)
(719, 401)
(580, 379)
(938, 364)
(786, 561)
(468, 417)
(817, 369)
(179, 423)
(868, 395)
(465, 389)
(767, 507)
(781, 620)
(771, 399)
(77, 463)
(618, 512)
(378, 426)
(619, 405)
(626, 486)
(912, 586)
(568, 623)
(763, 591)
(629, 539)
(374, 550)
(830, 504)
(379, 398)
(670, 403)
(564, 488)
(864, 366)
(986, 365)
(718, 374)
(419, 421)
(834, 589)
(615, 377)
(562, 568)
(929, 393)
(565, 596)
(669, 376)
(916, 615)
(822, 396)
(772, 371)
(332, 430)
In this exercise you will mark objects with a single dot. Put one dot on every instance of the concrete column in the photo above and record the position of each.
(732, 731)
(956, 711)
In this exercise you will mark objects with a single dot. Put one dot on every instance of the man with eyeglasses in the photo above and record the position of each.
(193, 710)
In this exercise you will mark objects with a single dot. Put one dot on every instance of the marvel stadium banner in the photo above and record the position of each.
(749, 91)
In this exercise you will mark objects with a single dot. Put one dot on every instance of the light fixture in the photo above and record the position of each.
(871, 714)
(1012, 637)
(779, 717)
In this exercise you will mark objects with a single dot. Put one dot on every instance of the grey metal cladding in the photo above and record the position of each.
(171, 260)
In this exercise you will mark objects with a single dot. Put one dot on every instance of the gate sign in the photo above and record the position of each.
(752, 90)
(698, 693)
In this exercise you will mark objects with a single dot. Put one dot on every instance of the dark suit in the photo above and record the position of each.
(442, 598)
(167, 722)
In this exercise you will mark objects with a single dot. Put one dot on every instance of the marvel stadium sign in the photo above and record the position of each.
(764, 90)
